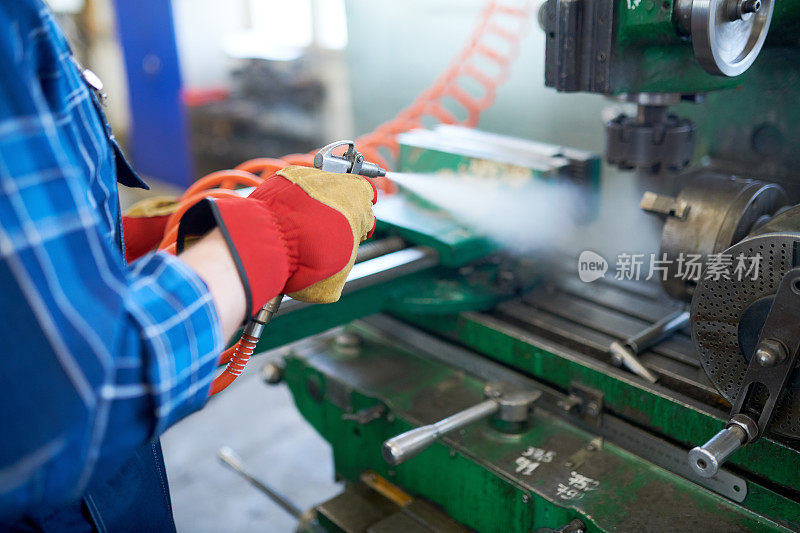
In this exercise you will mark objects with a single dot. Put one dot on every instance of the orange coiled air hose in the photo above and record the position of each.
(235, 359)
(480, 63)
(485, 61)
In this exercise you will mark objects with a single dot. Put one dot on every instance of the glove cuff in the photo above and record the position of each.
(262, 256)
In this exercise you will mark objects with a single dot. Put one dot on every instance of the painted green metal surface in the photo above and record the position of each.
(424, 225)
(420, 158)
(650, 56)
(435, 291)
(762, 114)
(475, 475)
(662, 413)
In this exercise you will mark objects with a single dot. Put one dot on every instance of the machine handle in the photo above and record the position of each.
(408, 444)
(706, 460)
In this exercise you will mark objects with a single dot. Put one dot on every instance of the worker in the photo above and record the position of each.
(99, 357)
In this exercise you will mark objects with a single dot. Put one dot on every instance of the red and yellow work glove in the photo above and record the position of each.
(297, 233)
(143, 225)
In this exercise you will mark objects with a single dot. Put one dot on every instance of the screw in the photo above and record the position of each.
(737, 9)
(272, 373)
(770, 353)
(593, 409)
(751, 6)
(493, 389)
(348, 341)
(525, 498)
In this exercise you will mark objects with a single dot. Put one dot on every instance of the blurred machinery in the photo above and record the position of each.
(275, 107)
(490, 392)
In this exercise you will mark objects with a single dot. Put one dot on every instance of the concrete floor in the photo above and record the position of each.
(280, 448)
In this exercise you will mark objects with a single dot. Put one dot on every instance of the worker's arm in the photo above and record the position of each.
(212, 261)
(97, 355)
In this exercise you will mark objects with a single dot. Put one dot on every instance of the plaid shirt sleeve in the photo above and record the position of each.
(97, 356)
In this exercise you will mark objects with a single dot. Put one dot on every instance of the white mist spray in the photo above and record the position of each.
(523, 217)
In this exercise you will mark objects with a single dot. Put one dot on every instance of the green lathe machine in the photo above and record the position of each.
(482, 390)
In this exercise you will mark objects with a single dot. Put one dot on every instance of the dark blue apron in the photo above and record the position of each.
(136, 498)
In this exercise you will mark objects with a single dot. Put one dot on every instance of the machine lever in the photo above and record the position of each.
(770, 368)
(508, 405)
(626, 354)
(707, 459)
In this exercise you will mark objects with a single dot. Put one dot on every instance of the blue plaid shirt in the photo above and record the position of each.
(97, 355)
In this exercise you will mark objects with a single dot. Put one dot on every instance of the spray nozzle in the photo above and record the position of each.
(351, 162)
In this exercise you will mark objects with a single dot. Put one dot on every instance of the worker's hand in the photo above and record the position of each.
(324, 216)
(297, 233)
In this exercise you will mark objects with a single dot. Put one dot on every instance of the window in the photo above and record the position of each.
(300, 23)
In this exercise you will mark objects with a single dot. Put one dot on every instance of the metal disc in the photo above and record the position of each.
(728, 47)
(728, 313)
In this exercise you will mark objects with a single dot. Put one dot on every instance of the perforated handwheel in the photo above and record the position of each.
(728, 314)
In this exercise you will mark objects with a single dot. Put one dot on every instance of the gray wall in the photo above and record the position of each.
(397, 49)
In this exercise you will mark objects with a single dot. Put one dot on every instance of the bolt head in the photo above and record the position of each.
(348, 341)
(493, 389)
(272, 373)
(770, 353)
(751, 6)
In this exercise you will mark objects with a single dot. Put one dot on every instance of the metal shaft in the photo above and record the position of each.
(232, 459)
(626, 354)
(374, 249)
(407, 445)
(706, 460)
(658, 331)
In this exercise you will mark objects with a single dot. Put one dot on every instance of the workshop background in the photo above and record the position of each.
(640, 403)
(262, 78)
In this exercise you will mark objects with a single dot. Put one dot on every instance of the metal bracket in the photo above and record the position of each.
(664, 205)
(339, 395)
(772, 364)
(584, 402)
(366, 415)
(768, 371)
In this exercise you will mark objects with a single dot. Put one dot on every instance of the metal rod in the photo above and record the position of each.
(408, 444)
(378, 270)
(657, 332)
(235, 462)
(625, 354)
(374, 249)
